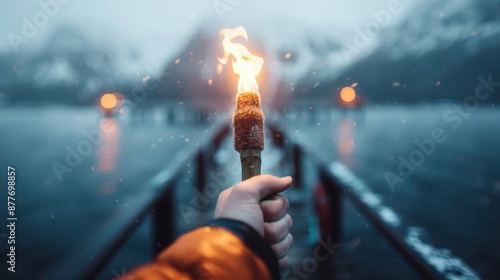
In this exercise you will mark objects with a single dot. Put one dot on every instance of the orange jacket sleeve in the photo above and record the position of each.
(223, 249)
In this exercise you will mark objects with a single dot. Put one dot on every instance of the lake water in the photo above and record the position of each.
(449, 190)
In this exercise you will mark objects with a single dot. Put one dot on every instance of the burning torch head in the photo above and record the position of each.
(248, 122)
(248, 119)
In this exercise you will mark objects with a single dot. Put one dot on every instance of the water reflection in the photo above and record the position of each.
(345, 143)
(109, 149)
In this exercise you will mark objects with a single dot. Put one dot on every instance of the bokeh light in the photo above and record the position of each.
(347, 94)
(108, 101)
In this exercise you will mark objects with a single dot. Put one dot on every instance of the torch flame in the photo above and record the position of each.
(246, 64)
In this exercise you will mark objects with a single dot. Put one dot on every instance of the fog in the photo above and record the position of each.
(150, 32)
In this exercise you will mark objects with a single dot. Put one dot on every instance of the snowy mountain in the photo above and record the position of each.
(68, 68)
(417, 51)
(436, 54)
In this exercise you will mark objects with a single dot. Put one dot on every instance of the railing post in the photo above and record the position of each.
(335, 201)
(163, 222)
(297, 163)
(200, 171)
(336, 218)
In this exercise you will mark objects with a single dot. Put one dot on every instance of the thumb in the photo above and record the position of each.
(264, 185)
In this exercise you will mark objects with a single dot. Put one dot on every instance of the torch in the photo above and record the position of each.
(248, 118)
(248, 122)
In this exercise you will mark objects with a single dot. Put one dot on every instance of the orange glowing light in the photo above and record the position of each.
(246, 64)
(108, 101)
(347, 94)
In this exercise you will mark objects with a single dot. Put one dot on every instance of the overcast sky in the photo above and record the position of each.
(158, 29)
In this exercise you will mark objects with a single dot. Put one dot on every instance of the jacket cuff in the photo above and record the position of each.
(252, 240)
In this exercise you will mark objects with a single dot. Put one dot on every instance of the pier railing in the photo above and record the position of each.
(158, 198)
(338, 186)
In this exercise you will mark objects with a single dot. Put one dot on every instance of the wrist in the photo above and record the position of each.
(252, 240)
